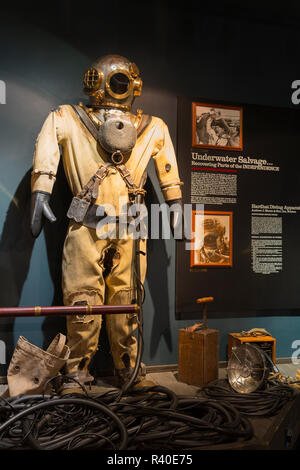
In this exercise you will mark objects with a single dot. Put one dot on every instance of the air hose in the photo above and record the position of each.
(140, 296)
(139, 421)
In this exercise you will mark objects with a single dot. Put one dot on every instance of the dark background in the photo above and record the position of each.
(222, 51)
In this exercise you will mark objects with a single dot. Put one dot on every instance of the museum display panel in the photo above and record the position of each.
(240, 166)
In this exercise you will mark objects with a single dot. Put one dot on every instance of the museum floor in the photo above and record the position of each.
(275, 431)
(167, 377)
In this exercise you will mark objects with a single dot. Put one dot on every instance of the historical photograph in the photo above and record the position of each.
(212, 239)
(216, 126)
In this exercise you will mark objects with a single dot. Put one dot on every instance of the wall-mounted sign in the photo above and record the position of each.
(241, 164)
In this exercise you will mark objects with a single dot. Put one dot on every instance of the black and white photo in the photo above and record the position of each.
(216, 126)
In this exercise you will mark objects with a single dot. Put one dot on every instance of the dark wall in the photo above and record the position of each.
(229, 52)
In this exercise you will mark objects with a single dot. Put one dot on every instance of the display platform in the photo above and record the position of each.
(278, 432)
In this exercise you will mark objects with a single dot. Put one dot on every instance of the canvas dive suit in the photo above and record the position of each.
(94, 270)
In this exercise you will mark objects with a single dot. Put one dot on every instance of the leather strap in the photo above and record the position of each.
(145, 121)
(86, 120)
(125, 173)
(90, 190)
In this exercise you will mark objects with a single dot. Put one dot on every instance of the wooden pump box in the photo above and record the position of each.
(265, 342)
(198, 355)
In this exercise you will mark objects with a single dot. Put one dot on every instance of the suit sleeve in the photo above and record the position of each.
(166, 166)
(47, 153)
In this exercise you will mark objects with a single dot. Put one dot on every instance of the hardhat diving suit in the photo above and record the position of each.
(105, 152)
